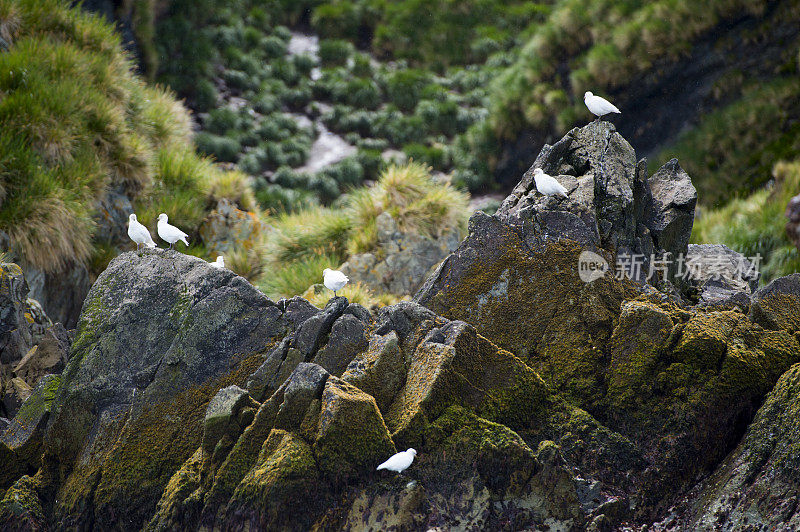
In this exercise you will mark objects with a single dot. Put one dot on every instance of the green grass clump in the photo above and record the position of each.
(417, 202)
(304, 243)
(757, 224)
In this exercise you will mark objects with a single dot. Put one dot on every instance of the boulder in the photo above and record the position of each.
(111, 219)
(226, 416)
(352, 438)
(777, 305)
(379, 371)
(15, 334)
(160, 333)
(25, 432)
(227, 227)
(62, 292)
(757, 486)
(401, 260)
(347, 339)
(21, 507)
(723, 277)
(673, 202)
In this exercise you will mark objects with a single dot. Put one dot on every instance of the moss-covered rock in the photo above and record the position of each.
(777, 305)
(25, 433)
(352, 438)
(379, 371)
(159, 335)
(757, 486)
(21, 508)
(282, 490)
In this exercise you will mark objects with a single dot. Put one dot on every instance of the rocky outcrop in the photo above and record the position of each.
(401, 260)
(723, 278)
(757, 487)
(534, 398)
(160, 333)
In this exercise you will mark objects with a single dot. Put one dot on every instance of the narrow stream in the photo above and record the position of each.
(328, 148)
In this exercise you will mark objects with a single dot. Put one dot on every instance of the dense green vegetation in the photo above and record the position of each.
(756, 225)
(76, 122)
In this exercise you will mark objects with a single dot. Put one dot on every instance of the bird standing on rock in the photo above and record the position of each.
(170, 233)
(399, 462)
(599, 106)
(219, 263)
(139, 233)
(334, 280)
(548, 185)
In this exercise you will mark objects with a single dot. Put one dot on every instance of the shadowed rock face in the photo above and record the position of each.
(534, 399)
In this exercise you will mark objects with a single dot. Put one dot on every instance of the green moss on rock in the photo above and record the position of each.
(352, 438)
(21, 508)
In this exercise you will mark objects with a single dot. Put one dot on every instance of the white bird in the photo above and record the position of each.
(399, 462)
(139, 233)
(219, 263)
(599, 106)
(548, 185)
(334, 280)
(170, 233)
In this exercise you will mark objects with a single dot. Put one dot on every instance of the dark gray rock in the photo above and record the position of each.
(612, 204)
(379, 371)
(674, 199)
(111, 217)
(723, 277)
(359, 312)
(61, 293)
(598, 167)
(297, 310)
(303, 387)
(347, 339)
(221, 416)
(15, 334)
(25, 432)
(313, 332)
(157, 330)
(777, 305)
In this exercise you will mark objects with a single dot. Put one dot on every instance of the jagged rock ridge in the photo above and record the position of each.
(534, 399)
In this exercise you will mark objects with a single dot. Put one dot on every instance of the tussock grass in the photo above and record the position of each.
(359, 293)
(417, 202)
(757, 224)
(290, 279)
(302, 244)
(75, 121)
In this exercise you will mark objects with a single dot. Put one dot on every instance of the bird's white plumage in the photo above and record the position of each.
(399, 462)
(219, 263)
(334, 279)
(139, 233)
(548, 185)
(599, 106)
(170, 233)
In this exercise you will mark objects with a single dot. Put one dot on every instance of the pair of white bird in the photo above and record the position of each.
(169, 233)
(549, 185)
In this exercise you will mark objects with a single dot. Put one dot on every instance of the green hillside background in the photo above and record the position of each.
(180, 103)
